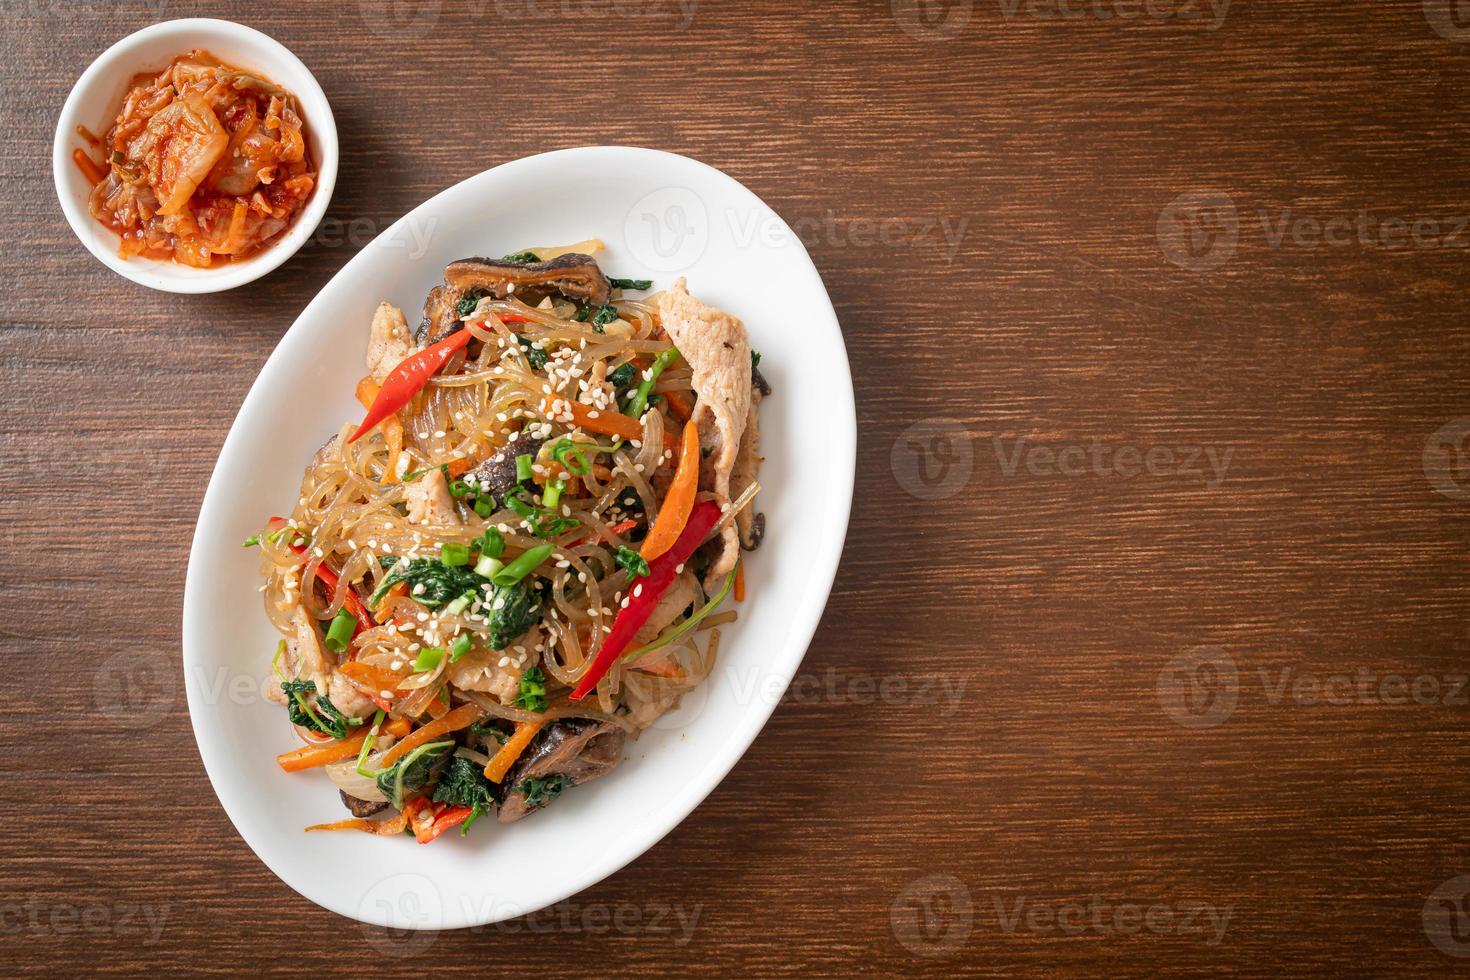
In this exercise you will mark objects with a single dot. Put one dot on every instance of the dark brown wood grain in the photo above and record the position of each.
(996, 722)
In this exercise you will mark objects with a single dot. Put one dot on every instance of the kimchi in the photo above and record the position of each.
(205, 163)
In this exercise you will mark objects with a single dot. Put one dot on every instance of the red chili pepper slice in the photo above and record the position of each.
(661, 573)
(354, 605)
(405, 381)
(443, 820)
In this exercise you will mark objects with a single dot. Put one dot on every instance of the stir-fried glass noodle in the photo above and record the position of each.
(521, 556)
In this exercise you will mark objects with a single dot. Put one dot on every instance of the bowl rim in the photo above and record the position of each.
(842, 457)
(181, 278)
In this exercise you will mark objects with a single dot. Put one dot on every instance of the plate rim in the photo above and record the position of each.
(841, 451)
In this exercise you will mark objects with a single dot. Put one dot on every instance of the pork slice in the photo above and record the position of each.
(480, 670)
(389, 342)
(718, 351)
(750, 526)
(429, 501)
(673, 602)
(306, 658)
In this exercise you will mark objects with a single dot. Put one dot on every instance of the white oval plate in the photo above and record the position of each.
(661, 216)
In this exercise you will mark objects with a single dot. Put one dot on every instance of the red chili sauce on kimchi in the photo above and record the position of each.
(205, 163)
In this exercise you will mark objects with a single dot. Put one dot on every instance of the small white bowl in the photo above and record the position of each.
(97, 97)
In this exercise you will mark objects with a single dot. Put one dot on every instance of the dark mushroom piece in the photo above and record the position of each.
(497, 474)
(361, 808)
(573, 276)
(574, 749)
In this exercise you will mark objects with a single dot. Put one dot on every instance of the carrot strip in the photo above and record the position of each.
(366, 392)
(680, 403)
(439, 708)
(740, 581)
(312, 756)
(87, 167)
(459, 467)
(512, 749)
(461, 717)
(378, 678)
(679, 501)
(391, 827)
(607, 421)
(357, 823)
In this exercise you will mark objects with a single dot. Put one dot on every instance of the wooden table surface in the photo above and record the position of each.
(1148, 648)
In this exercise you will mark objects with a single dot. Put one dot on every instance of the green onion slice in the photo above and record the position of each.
(339, 634)
(522, 566)
(459, 647)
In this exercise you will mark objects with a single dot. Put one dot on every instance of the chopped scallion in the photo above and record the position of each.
(487, 566)
(429, 658)
(551, 496)
(339, 634)
(523, 467)
(457, 606)
(459, 647)
(638, 404)
(491, 544)
(454, 554)
(522, 566)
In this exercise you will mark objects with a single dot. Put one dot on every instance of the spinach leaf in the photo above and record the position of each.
(606, 313)
(412, 772)
(601, 317)
(525, 258)
(513, 610)
(535, 356)
(442, 583)
(618, 283)
(467, 304)
(632, 562)
(541, 790)
(463, 784)
(623, 378)
(490, 731)
(324, 718)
